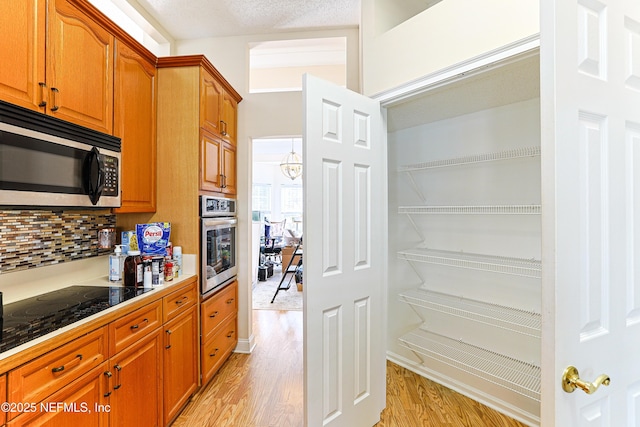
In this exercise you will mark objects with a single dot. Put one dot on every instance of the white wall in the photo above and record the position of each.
(450, 32)
(260, 115)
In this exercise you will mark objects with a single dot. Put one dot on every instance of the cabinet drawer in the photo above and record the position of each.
(216, 349)
(176, 302)
(130, 328)
(218, 308)
(37, 379)
(82, 396)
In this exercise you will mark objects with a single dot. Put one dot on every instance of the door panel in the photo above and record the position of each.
(590, 51)
(344, 256)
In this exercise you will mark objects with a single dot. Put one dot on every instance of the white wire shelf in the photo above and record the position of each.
(512, 374)
(492, 263)
(476, 158)
(482, 210)
(512, 319)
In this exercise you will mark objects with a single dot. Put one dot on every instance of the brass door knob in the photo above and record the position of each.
(571, 381)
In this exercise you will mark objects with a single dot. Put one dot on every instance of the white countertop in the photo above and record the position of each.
(19, 285)
(88, 272)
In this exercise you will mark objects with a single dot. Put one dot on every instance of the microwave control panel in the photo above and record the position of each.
(110, 176)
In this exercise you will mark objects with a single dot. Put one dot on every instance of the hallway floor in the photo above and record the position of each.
(264, 389)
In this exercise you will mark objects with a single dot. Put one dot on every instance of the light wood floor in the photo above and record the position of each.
(264, 389)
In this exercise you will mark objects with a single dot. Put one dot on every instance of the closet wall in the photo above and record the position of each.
(464, 237)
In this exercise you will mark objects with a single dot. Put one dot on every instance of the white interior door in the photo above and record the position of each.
(344, 256)
(590, 97)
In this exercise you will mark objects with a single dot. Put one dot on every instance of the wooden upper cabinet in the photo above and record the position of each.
(218, 108)
(207, 134)
(22, 47)
(79, 68)
(217, 165)
(211, 178)
(57, 60)
(211, 96)
(229, 169)
(229, 121)
(135, 96)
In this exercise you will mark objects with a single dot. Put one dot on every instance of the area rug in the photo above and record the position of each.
(286, 300)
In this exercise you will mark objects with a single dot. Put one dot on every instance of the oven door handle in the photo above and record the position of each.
(219, 222)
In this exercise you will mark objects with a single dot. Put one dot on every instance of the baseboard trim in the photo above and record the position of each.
(246, 346)
(472, 393)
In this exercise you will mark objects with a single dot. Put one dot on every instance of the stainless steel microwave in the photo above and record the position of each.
(45, 161)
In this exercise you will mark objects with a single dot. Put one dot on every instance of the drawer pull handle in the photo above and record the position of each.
(180, 301)
(230, 334)
(136, 326)
(230, 300)
(214, 314)
(61, 368)
(214, 353)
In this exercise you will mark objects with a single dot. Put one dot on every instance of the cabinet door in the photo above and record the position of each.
(210, 162)
(211, 94)
(228, 168)
(135, 123)
(180, 361)
(229, 118)
(79, 68)
(136, 392)
(81, 403)
(22, 39)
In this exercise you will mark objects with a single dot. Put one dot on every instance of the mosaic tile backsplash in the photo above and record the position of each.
(35, 238)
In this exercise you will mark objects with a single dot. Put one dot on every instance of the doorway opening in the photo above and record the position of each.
(277, 211)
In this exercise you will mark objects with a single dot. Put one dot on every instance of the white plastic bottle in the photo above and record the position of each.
(146, 282)
(177, 261)
(116, 265)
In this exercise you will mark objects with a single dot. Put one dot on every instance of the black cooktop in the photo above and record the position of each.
(34, 317)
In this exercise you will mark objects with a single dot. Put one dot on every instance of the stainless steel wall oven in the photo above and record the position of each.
(218, 227)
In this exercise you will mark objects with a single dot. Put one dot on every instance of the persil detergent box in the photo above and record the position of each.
(153, 237)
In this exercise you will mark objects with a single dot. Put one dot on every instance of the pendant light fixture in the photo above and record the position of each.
(291, 165)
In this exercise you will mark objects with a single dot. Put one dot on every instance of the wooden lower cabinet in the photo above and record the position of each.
(129, 329)
(218, 308)
(136, 383)
(180, 362)
(80, 403)
(216, 350)
(3, 398)
(139, 369)
(218, 329)
(50, 372)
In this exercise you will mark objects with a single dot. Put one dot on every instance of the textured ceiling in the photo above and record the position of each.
(193, 19)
